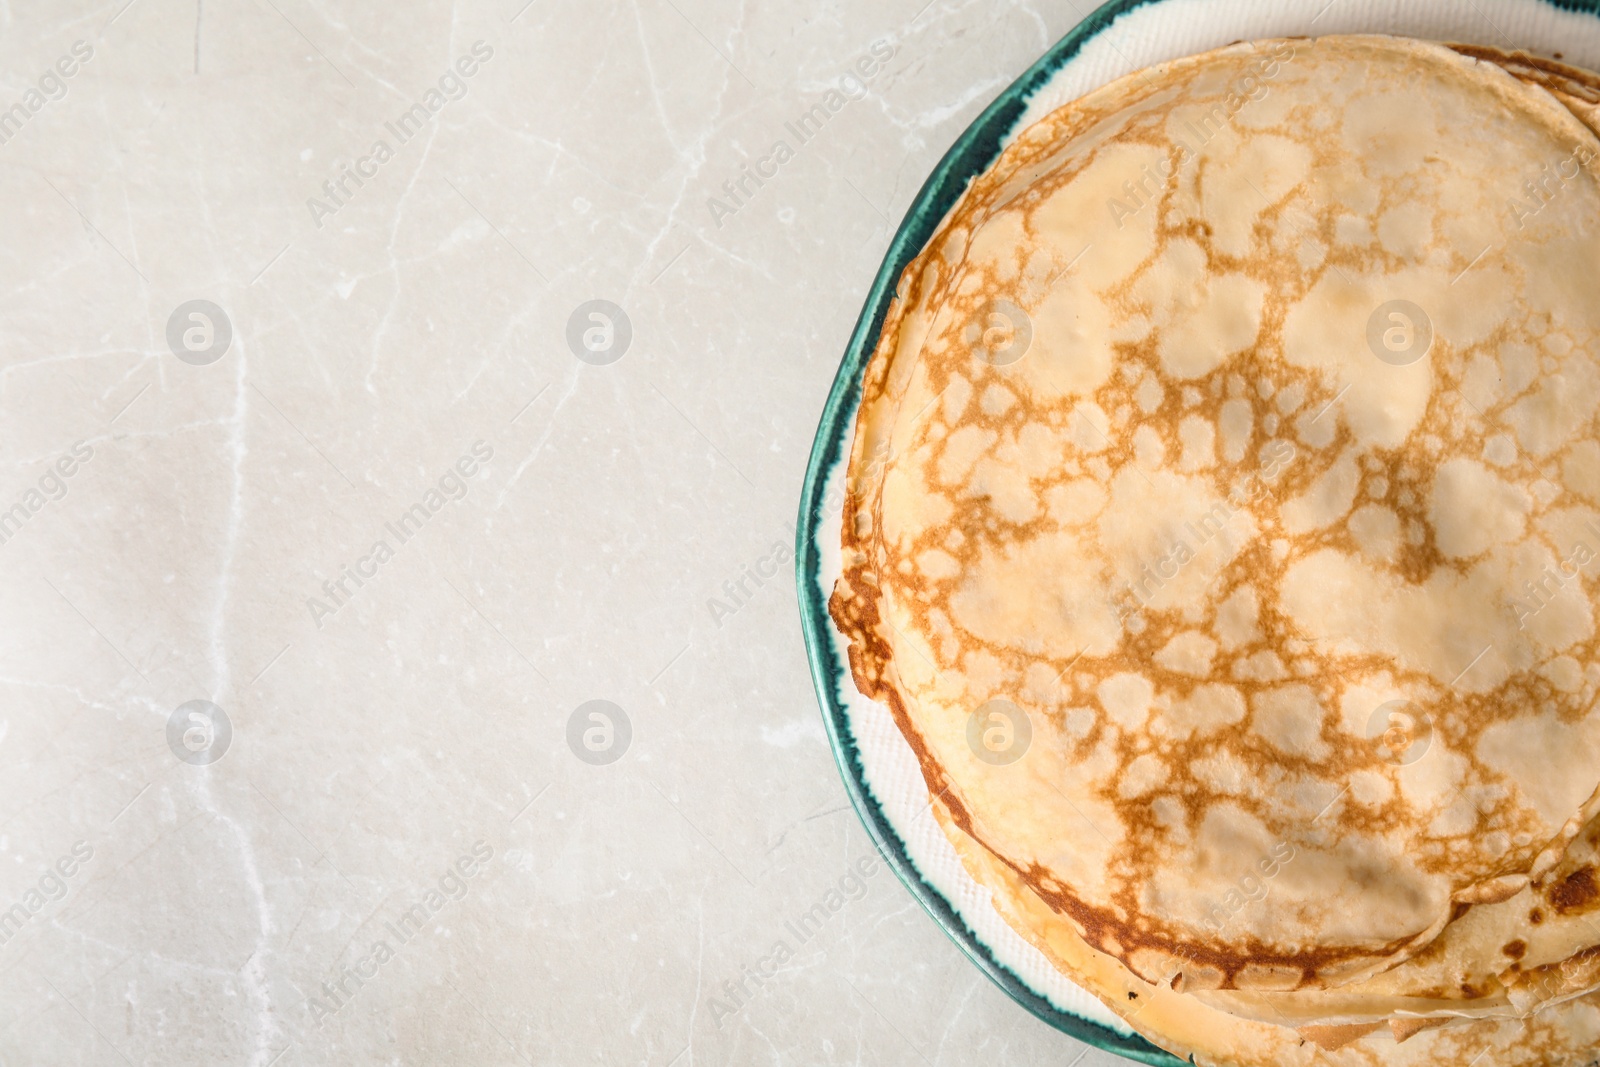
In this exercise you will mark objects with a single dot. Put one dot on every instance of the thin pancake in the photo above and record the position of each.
(1565, 1035)
(1191, 434)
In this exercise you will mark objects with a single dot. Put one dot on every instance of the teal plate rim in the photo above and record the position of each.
(972, 153)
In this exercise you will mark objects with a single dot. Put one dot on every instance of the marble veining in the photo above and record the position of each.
(399, 407)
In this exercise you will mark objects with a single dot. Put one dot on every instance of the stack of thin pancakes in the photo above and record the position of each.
(1222, 529)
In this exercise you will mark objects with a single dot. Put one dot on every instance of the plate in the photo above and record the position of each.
(880, 772)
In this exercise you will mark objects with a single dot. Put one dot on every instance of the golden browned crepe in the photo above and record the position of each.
(1221, 524)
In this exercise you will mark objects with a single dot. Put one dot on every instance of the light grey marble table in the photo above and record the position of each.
(317, 536)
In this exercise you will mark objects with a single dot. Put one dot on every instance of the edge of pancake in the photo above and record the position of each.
(1212, 1037)
(854, 603)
